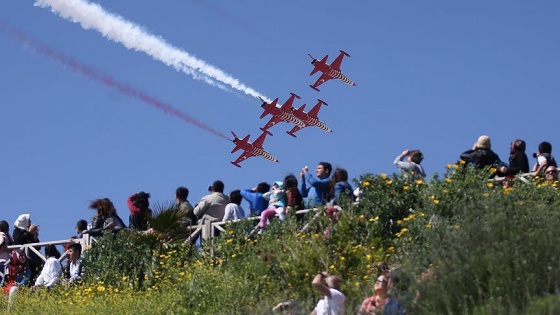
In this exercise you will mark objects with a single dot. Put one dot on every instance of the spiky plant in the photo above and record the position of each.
(166, 221)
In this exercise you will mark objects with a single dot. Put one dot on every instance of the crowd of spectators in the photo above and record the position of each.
(324, 188)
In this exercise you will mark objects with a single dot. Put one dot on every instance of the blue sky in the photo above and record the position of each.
(431, 75)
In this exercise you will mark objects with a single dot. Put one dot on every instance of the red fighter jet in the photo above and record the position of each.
(331, 71)
(251, 149)
(310, 118)
(280, 114)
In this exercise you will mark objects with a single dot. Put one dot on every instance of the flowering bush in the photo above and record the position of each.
(466, 244)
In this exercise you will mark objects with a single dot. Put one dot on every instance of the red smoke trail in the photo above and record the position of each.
(107, 80)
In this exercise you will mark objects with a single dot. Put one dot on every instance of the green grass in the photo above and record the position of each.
(465, 245)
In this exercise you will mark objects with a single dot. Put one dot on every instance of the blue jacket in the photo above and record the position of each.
(317, 191)
(342, 189)
(256, 201)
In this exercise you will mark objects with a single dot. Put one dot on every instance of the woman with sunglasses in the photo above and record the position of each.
(381, 302)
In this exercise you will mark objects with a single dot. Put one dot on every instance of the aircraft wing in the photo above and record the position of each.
(295, 129)
(322, 79)
(259, 141)
(273, 121)
(336, 63)
(287, 106)
(315, 110)
(245, 155)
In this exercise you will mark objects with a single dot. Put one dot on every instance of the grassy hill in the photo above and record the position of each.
(463, 244)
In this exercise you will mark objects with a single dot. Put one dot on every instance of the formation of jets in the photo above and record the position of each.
(287, 113)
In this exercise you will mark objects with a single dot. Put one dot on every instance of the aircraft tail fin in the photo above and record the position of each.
(236, 164)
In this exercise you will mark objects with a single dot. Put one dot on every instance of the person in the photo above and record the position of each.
(294, 199)
(257, 203)
(106, 218)
(140, 212)
(18, 273)
(551, 174)
(412, 165)
(211, 208)
(315, 189)
(73, 272)
(52, 270)
(277, 199)
(181, 202)
(5, 241)
(234, 211)
(81, 226)
(27, 233)
(339, 187)
(544, 159)
(481, 154)
(518, 161)
(381, 302)
(276, 204)
(333, 301)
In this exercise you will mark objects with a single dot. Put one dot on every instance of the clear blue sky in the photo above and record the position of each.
(431, 75)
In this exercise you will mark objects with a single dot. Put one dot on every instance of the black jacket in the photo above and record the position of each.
(481, 157)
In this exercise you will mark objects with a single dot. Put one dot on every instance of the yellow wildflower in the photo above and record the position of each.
(419, 182)
(100, 288)
(428, 226)
(490, 185)
(405, 187)
(383, 175)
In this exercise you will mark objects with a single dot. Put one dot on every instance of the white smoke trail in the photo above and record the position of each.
(132, 36)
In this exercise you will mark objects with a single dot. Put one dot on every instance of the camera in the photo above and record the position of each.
(535, 155)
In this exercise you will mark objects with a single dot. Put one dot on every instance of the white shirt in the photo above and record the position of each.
(233, 212)
(332, 306)
(51, 273)
(75, 270)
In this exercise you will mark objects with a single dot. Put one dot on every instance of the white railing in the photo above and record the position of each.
(85, 241)
(208, 230)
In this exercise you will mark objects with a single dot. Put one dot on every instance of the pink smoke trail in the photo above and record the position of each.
(105, 79)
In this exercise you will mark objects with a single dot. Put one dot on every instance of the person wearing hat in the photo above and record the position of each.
(276, 203)
(481, 154)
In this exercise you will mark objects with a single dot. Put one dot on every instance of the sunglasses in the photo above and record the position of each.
(551, 172)
(382, 280)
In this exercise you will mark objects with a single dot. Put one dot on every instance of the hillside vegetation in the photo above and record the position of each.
(464, 245)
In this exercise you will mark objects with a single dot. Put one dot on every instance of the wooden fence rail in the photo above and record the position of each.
(205, 231)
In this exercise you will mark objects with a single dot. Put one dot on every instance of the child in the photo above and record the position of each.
(276, 204)
(277, 199)
(233, 209)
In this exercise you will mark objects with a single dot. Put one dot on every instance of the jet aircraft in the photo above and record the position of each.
(331, 71)
(250, 149)
(280, 114)
(310, 118)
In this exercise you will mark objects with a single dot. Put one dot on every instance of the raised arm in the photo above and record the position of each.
(318, 284)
